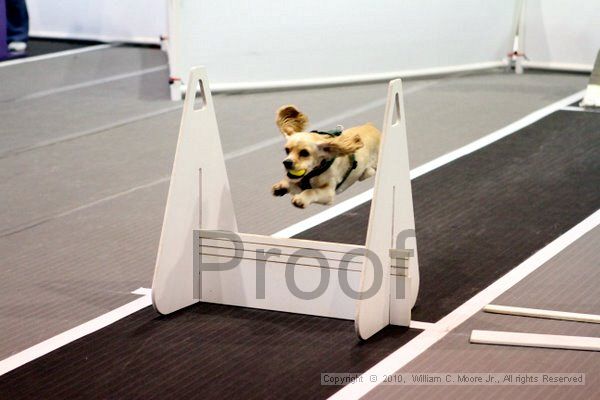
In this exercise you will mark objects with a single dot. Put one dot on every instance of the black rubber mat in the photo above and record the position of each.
(206, 351)
(476, 218)
(481, 215)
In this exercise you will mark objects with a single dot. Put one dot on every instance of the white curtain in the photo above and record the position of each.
(263, 42)
(562, 34)
(139, 21)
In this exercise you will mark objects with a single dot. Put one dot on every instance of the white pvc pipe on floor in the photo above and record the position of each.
(536, 340)
(539, 313)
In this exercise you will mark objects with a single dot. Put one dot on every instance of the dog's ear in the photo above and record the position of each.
(341, 145)
(290, 120)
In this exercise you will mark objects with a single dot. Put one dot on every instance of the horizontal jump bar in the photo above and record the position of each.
(214, 247)
(285, 242)
(353, 268)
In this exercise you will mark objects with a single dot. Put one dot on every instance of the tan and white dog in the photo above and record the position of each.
(320, 164)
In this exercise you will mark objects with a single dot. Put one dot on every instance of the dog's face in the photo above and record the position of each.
(305, 151)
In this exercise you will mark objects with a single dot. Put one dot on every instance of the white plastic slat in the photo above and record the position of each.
(536, 340)
(538, 313)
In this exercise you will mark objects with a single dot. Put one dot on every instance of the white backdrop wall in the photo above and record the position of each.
(265, 43)
(561, 34)
(139, 21)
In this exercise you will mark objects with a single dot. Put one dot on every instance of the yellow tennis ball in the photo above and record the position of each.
(298, 172)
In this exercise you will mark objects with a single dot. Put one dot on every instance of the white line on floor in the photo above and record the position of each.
(89, 132)
(429, 337)
(56, 55)
(142, 291)
(31, 224)
(86, 84)
(73, 334)
(357, 200)
(326, 215)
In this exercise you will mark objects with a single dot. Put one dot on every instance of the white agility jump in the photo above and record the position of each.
(203, 257)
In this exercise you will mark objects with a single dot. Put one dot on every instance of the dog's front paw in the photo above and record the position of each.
(279, 189)
(298, 201)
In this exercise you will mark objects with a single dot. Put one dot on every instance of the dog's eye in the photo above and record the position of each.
(287, 150)
(304, 153)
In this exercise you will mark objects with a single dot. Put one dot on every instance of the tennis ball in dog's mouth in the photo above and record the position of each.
(297, 172)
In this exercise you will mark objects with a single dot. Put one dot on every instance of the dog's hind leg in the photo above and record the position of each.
(367, 173)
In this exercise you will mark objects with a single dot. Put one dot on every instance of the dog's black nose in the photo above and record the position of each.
(288, 164)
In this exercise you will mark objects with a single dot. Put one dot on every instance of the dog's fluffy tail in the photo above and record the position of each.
(290, 120)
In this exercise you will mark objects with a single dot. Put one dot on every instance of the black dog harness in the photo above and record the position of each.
(325, 164)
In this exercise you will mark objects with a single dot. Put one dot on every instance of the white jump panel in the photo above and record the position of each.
(258, 279)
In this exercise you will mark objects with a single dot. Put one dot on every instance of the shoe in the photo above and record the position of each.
(17, 47)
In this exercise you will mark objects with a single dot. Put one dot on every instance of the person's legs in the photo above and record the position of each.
(17, 21)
